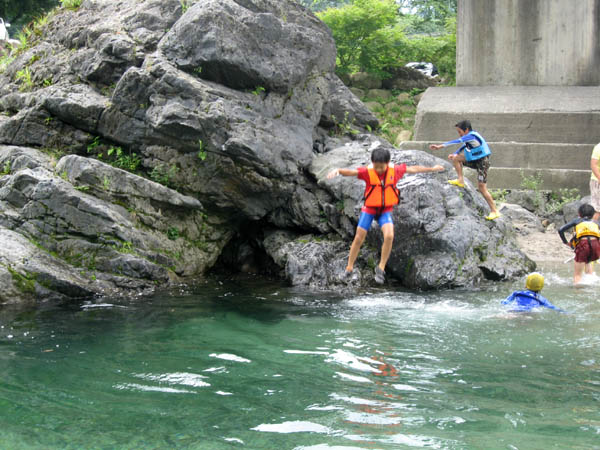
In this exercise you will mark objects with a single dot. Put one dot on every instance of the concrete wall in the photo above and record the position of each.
(528, 42)
(569, 114)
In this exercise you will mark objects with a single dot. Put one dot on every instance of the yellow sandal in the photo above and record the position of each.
(456, 183)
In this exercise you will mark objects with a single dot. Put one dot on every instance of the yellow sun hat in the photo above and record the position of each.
(535, 282)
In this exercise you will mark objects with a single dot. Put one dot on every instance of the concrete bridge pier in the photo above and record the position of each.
(528, 78)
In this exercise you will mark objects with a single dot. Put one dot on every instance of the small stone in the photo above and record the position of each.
(360, 93)
(379, 94)
(364, 80)
(403, 97)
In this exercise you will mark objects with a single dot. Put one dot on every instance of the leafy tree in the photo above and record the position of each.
(366, 34)
(20, 12)
(320, 5)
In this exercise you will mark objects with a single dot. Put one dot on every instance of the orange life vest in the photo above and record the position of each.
(381, 193)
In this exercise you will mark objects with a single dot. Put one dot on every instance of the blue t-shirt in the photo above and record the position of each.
(527, 300)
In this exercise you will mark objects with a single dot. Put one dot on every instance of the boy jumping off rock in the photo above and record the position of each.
(585, 241)
(381, 194)
(476, 156)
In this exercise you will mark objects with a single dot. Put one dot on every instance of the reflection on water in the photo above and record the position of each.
(253, 365)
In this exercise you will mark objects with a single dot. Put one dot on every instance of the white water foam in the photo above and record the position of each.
(296, 426)
(351, 361)
(358, 379)
(141, 387)
(229, 357)
(183, 378)
(305, 352)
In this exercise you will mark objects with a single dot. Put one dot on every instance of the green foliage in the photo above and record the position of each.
(5, 60)
(7, 169)
(106, 183)
(173, 233)
(499, 195)
(123, 247)
(185, 5)
(561, 198)
(371, 36)
(201, 150)
(532, 182)
(21, 12)
(345, 127)
(426, 16)
(365, 33)
(393, 117)
(71, 4)
(258, 91)
(127, 161)
(24, 283)
(163, 174)
(320, 5)
(24, 78)
(93, 145)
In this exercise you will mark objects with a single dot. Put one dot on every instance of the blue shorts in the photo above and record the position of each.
(366, 220)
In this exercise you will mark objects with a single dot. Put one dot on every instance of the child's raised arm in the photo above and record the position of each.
(424, 169)
(343, 172)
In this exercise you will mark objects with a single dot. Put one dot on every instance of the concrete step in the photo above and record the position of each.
(553, 179)
(535, 114)
(523, 155)
(560, 165)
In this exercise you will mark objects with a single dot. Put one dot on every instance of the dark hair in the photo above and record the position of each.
(380, 155)
(464, 125)
(586, 211)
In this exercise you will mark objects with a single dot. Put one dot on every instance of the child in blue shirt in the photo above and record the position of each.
(530, 298)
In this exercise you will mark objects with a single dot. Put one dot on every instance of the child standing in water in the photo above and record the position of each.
(475, 154)
(381, 194)
(585, 241)
(530, 298)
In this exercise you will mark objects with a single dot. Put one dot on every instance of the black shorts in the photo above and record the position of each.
(481, 166)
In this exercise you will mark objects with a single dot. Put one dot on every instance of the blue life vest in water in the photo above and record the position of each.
(477, 147)
(527, 300)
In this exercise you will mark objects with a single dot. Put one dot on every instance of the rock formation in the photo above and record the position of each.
(233, 106)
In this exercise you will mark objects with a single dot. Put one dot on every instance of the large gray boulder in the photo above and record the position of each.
(442, 237)
(224, 41)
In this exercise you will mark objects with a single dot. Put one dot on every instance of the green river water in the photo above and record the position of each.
(253, 364)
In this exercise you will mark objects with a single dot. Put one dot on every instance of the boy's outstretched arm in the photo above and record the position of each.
(343, 172)
(424, 169)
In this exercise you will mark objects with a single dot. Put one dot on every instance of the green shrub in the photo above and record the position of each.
(370, 37)
(24, 78)
(71, 4)
(163, 174)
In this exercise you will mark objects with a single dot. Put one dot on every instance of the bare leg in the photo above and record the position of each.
(488, 197)
(359, 238)
(589, 269)
(578, 272)
(457, 162)
(386, 248)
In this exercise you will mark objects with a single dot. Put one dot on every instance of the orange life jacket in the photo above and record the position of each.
(381, 193)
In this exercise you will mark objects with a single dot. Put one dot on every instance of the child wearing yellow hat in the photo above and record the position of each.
(530, 298)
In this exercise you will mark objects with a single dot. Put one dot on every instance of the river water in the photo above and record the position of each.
(252, 364)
